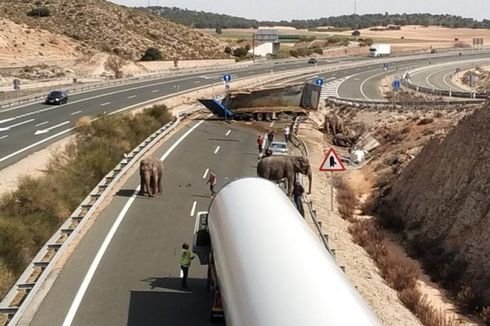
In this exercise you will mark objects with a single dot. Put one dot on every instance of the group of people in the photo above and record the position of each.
(264, 147)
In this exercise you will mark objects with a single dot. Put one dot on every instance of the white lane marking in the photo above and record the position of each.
(106, 103)
(7, 120)
(15, 125)
(76, 112)
(364, 82)
(43, 131)
(197, 81)
(132, 96)
(42, 123)
(3, 137)
(114, 112)
(155, 90)
(272, 124)
(28, 114)
(193, 210)
(228, 132)
(95, 263)
(205, 174)
(216, 150)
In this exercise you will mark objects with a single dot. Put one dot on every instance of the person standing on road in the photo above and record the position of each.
(212, 182)
(260, 143)
(298, 191)
(270, 136)
(186, 258)
(286, 134)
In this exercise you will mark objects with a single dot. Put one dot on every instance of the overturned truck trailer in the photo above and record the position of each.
(266, 103)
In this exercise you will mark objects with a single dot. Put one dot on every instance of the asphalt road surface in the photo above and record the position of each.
(137, 280)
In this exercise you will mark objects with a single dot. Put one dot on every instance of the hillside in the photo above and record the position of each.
(201, 19)
(98, 25)
(441, 204)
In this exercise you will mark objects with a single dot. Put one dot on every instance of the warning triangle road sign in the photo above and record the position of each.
(332, 162)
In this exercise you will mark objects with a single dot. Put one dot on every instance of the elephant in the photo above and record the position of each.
(343, 140)
(281, 167)
(334, 124)
(151, 170)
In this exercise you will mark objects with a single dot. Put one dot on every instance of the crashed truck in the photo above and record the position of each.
(265, 104)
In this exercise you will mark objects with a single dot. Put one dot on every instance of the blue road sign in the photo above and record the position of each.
(227, 78)
(319, 81)
(396, 85)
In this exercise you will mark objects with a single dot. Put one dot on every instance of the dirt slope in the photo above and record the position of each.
(442, 200)
(101, 25)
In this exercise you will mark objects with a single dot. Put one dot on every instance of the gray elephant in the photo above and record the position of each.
(151, 171)
(277, 168)
(333, 124)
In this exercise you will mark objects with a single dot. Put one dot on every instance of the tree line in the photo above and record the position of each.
(201, 19)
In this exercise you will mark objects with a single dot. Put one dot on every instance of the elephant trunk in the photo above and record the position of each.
(309, 173)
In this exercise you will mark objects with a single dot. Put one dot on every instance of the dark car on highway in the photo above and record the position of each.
(313, 61)
(57, 97)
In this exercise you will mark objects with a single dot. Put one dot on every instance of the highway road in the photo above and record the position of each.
(136, 281)
(29, 128)
(363, 82)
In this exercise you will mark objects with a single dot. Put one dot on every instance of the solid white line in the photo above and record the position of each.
(155, 90)
(132, 96)
(20, 123)
(3, 137)
(193, 210)
(205, 174)
(95, 263)
(106, 103)
(42, 123)
(364, 82)
(228, 132)
(216, 150)
(76, 112)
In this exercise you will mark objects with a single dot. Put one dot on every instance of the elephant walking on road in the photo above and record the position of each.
(277, 168)
(151, 171)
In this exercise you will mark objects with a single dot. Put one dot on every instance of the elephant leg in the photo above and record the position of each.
(142, 185)
(291, 180)
(157, 185)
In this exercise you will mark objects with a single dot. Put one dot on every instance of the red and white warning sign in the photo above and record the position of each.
(332, 162)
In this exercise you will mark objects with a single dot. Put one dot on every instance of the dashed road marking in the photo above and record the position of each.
(132, 96)
(106, 103)
(228, 132)
(205, 174)
(76, 112)
(216, 150)
(272, 124)
(42, 123)
(15, 125)
(193, 210)
(155, 90)
(3, 137)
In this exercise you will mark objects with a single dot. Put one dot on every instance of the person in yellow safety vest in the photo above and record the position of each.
(185, 262)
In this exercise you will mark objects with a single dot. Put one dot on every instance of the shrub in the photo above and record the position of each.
(346, 199)
(425, 121)
(39, 12)
(410, 298)
(228, 50)
(356, 33)
(152, 54)
(240, 52)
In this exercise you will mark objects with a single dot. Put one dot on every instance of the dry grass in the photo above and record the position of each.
(346, 199)
(399, 272)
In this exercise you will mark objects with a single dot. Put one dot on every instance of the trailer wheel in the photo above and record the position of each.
(259, 117)
(268, 116)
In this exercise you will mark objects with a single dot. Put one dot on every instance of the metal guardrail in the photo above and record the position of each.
(301, 145)
(399, 104)
(440, 92)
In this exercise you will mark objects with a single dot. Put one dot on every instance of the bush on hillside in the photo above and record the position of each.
(152, 54)
(240, 52)
(39, 12)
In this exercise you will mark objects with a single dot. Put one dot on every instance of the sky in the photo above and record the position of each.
(310, 9)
